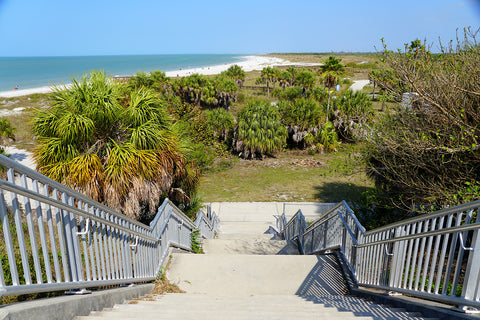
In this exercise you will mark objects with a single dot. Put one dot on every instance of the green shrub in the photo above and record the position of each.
(259, 131)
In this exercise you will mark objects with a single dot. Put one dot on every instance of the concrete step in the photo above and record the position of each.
(246, 228)
(244, 246)
(213, 307)
(229, 274)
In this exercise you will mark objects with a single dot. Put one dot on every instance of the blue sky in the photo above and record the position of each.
(103, 27)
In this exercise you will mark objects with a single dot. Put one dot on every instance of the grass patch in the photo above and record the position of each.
(291, 176)
(19, 111)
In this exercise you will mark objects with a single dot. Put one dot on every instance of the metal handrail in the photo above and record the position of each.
(34, 175)
(69, 241)
(431, 256)
(439, 213)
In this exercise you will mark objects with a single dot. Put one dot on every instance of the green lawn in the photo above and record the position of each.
(291, 176)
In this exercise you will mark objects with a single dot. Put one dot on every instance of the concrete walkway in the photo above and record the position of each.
(358, 85)
(248, 274)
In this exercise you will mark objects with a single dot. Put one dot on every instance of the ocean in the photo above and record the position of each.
(33, 72)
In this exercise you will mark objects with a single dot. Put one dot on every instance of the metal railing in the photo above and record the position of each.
(54, 238)
(434, 256)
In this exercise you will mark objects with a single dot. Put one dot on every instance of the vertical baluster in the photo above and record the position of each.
(435, 256)
(397, 248)
(61, 239)
(105, 251)
(442, 255)
(84, 240)
(416, 241)
(471, 283)
(428, 254)
(407, 266)
(108, 246)
(51, 232)
(91, 246)
(461, 251)
(67, 227)
(75, 240)
(99, 251)
(373, 266)
(31, 232)
(116, 252)
(451, 256)
(41, 231)
(128, 253)
(8, 242)
(124, 243)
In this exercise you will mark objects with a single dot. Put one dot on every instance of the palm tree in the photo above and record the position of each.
(305, 79)
(259, 131)
(329, 79)
(331, 70)
(236, 73)
(269, 75)
(333, 64)
(117, 148)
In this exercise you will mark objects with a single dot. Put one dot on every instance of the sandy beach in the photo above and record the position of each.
(251, 63)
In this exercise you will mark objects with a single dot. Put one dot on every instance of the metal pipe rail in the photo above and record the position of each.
(54, 238)
(434, 256)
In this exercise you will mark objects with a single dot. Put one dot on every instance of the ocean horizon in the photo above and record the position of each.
(33, 72)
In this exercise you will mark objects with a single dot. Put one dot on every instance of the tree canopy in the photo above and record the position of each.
(427, 153)
(114, 145)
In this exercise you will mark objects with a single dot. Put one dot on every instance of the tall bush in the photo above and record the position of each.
(259, 131)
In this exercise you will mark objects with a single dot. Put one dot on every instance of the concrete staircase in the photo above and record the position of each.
(246, 274)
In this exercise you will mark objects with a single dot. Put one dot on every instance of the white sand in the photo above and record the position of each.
(24, 157)
(252, 63)
(358, 85)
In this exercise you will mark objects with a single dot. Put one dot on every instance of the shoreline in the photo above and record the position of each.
(251, 63)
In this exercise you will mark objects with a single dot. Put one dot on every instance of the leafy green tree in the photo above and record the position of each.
(429, 154)
(320, 94)
(7, 132)
(292, 71)
(195, 89)
(329, 79)
(352, 111)
(305, 79)
(226, 91)
(119, 150)
(155, 80)
(302, 117)
(268, 75)
(328, 136)
(330, 74)
(236, 73)
(221, 122)
(259, 131)
(333, 64)
(290, 93)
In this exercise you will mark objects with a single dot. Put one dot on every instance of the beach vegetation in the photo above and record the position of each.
(305, 79)
(424, 155)
(236, 73)
(303, 119)
(222, 124)
(269, 75)
(259, 131)
(119, 149)
(352, 112)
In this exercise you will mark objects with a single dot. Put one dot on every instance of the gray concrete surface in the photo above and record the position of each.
(243, 276)
(240, 274)
(67, 307)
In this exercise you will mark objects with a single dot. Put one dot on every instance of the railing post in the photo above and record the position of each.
(471, 290)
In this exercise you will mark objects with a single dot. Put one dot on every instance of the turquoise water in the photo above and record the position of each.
(32, 72)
